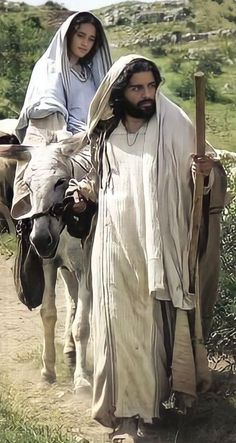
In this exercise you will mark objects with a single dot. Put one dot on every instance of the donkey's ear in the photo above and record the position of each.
(74, 144)
(16, 152)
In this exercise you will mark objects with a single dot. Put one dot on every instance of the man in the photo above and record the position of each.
(149, 351)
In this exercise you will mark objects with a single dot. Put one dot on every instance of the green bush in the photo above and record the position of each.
(158, 51)
(183, 85)
(210, 62)
(222, 340)
(21, 44)
(175, 63)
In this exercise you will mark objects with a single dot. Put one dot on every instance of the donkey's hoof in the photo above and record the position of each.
(70, 358)
(84, 392)
(48, 377)
(82, 385)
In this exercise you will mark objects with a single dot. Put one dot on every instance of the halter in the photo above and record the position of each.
(58, 209)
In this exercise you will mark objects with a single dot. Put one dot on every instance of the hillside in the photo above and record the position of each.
(180, 36)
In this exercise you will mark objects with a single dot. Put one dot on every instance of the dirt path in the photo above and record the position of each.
(20, 349)
(57, 406)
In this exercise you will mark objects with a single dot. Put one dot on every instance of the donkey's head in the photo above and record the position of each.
(46, 176)
(42, 177)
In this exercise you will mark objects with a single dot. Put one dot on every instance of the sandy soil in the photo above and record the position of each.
(57, 404)
(20, 348)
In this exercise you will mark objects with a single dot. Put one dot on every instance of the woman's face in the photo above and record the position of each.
(83, 40)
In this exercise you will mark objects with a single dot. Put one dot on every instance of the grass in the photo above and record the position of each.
(7, 245)
(211, 421)
(16, 428)
(34, 356)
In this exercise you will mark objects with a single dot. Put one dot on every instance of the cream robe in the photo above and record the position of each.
(129, 258)
(128, 322)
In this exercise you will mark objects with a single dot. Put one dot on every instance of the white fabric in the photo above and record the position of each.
(7, 126)
(100, 108)
(154, 247)
(123, 309)
(174, 144)
(49, 85)
(141, 246)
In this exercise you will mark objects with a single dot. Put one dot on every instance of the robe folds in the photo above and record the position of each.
(147, 325)
(131, 375)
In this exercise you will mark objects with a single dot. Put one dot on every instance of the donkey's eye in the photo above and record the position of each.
(60, 182)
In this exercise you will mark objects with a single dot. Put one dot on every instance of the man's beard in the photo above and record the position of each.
(137, 111)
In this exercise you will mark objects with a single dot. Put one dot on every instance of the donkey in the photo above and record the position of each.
(46, 175)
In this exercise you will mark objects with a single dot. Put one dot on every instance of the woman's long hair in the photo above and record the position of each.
(78, 20)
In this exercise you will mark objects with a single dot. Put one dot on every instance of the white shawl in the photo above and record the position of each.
(175, 142)
(50, 83)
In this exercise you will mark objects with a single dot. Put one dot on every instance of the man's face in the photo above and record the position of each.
(139, 95)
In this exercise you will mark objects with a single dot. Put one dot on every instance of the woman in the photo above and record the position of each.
(64, 81)
(62, 85)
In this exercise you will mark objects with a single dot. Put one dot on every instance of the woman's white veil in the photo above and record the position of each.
(50, 81)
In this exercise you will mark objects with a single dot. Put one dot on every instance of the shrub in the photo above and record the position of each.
(158, 51)
(54, 5)
(21, 44)
(222, 340)
(210, 62)
(175, 63)
(183, 87)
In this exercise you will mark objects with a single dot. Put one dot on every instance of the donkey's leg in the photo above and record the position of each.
(71, 292)
(6, 214)
(48, 314)
(81, 332)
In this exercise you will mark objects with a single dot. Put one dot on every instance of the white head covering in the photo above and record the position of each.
(100, 108)
(50, 81)
(173, 136)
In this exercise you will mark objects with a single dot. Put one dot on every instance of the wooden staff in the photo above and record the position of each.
(199, 178)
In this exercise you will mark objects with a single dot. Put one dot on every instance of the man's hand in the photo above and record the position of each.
(202, 164)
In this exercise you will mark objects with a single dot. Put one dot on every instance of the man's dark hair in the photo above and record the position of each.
(134, 67)
(78, 20)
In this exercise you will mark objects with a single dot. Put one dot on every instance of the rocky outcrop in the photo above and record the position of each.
(176, 37)
(144, 15)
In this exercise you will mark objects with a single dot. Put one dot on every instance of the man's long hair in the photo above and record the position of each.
(105, 128)
(117, 93)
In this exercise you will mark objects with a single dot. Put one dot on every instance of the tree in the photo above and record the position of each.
(21, 43)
